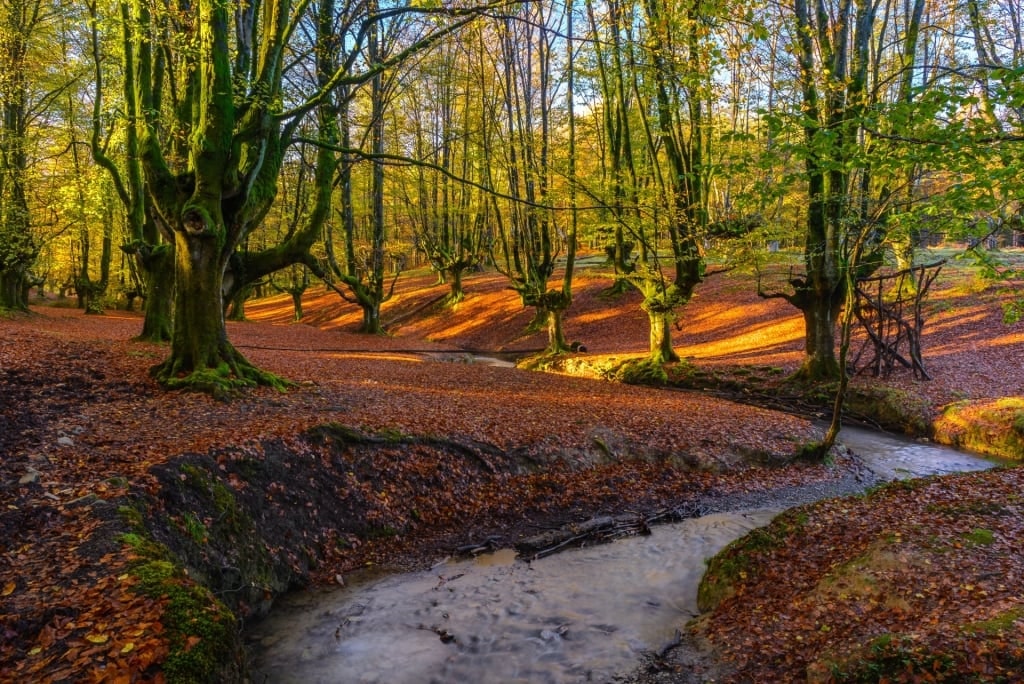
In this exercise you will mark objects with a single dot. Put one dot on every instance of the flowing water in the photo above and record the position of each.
(577, 616)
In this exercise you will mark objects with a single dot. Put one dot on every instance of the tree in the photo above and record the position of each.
(656, 128)
(153, 254)
(20, 23)
(211, 168)
(449, 217)
(680, 84)
(832, 50)
(363, 271)
(528, 239)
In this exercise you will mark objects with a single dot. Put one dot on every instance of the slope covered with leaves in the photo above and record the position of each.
(94, 453)
(917, 582)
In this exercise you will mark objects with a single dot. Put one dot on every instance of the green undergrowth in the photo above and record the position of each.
(642, 372)
(893, 657)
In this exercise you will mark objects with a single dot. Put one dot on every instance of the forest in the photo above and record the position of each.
(186, 157)
(724, 228)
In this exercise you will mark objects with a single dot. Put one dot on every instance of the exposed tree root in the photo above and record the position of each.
(231, 374)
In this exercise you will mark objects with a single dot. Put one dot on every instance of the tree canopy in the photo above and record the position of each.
(218, 144)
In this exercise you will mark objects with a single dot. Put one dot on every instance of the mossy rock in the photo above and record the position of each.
(203, 633)
(642, 372)
(891, 409)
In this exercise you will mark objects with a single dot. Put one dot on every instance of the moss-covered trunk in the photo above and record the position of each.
(371, 317)
(296, 294)
(556, 335)
(158, 270)
(236, 307)
(199, 340)
(661, 336)
(11, 280)
(201, 356)
(820, 361)
(455, 291)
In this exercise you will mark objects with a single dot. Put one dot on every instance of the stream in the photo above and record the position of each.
(578, 616)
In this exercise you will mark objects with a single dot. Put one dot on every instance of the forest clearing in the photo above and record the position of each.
(114, 488)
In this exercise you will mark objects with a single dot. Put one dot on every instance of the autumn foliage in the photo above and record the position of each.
(388, 450)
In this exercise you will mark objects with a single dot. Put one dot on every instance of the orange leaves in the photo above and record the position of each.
(924, 563)
(81, 415)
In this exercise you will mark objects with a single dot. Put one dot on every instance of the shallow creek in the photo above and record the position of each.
(577, 616)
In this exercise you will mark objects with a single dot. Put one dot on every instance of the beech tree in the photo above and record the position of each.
(655, 78)
(445, 100)
(152, 252)
(362, 271)
(529, 241)
(214, 115)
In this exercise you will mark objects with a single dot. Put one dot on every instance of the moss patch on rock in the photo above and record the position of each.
(202, 631)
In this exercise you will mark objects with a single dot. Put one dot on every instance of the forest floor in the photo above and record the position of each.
(109, 484)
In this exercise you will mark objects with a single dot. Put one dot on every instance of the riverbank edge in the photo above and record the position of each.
(991, 427)
(223, 534)
(263, 578)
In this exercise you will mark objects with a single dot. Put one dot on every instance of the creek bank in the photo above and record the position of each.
(248, 523)
(923, 587)
(991, 427)
(584, 615)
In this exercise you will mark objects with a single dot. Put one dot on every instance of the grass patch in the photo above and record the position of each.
(979, 536)
(999, 624)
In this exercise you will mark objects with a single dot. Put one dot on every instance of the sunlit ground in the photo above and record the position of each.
(726, 323)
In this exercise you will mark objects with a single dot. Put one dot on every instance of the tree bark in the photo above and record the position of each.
(661, 350)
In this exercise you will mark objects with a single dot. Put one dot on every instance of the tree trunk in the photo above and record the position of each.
(371, 318)
(199, 340)
(11, 290)
(201, 356)
(236, 308)
(556, 334)
(455, 291)
(661, 337)
(820, 316)
(158, 269)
